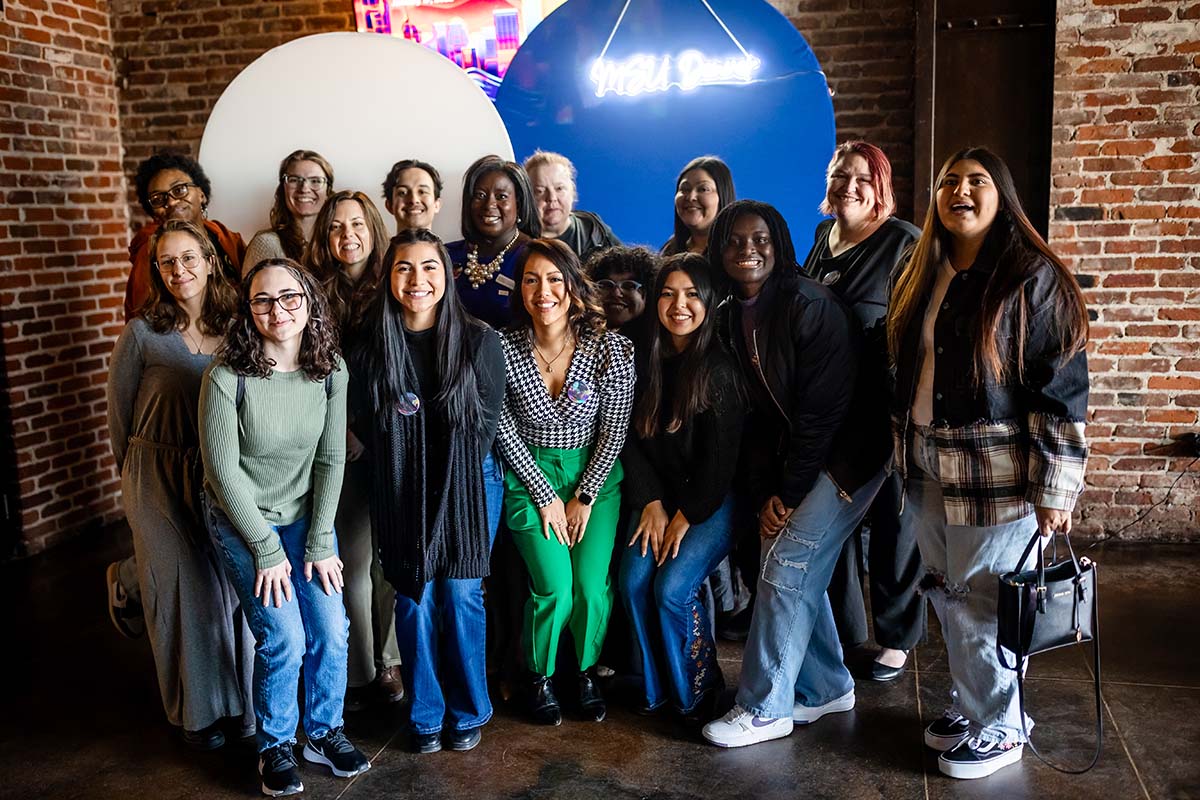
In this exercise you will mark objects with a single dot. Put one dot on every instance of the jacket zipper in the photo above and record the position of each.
(758, 366)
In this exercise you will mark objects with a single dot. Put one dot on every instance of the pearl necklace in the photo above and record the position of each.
(479, 274)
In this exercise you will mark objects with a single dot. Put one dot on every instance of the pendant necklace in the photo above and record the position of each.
(199, 347)
(477, 273)
(550, 361)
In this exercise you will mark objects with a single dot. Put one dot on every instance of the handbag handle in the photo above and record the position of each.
(1040, 568)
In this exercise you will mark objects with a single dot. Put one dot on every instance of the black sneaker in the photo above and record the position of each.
(975, 758)
(279, 770)
(947, 731)
(462, 741)
(335, 751)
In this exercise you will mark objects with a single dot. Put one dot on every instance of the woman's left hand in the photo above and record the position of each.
(354, 448)
(676, 530)
(1050, 520)
(577, 519)
(330, 572)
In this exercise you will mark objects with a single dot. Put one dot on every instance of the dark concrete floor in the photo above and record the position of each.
(84, 721)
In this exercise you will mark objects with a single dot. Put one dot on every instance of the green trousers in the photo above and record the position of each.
(568, 586)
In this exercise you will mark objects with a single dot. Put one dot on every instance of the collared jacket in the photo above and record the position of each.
(802, 370)
(1004, 446)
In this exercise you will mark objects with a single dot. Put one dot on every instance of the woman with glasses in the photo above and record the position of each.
(564, 420)
(431, 381)
(703, 188)
(347, 256)
(273, 436)
(498, 217)
(153, 389)
(174, 186)
(621, 274)
(679, 461)
(855, 253)
(305, 179)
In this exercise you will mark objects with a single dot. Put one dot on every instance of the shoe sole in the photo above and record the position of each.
(942, 743)
(781, 734)
(297, 789)
(811, 715)
(462, 748)
(975, 770)
(315, 757)
(891, 674)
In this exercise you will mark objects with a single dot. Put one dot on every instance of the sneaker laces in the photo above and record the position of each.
(336, 741)
(985, 746)
(279, 758)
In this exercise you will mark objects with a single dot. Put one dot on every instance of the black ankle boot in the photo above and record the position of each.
(591, 702)
(543, 705)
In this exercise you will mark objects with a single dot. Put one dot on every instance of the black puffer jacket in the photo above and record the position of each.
(802, 370)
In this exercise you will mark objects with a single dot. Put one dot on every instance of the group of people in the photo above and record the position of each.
(328, 440)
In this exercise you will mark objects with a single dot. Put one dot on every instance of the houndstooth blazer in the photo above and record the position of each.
(602, 369)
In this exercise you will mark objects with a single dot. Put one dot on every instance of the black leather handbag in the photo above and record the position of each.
(1045, 608)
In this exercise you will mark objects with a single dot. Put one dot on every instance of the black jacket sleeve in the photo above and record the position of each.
(489, 371)
(824, 375)
(718, 437)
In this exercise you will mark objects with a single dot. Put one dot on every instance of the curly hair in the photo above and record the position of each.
(640, 261)
(347, 300)
(163, 313)
(584, 314)
(283, 221)
(243, 348)
(169, 159)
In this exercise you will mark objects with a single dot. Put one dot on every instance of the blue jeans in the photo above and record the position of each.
(443, 660)
(793, 654)
(963, 564)
(670, 623)
(310, 630)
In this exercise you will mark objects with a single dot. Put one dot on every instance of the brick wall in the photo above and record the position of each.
(62, 253)
(174, 60)
(866, 50)
(1125, 207)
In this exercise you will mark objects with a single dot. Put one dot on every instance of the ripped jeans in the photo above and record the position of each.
(793, 654)
(963, 564)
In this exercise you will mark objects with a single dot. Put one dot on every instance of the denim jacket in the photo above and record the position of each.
(1003, 446)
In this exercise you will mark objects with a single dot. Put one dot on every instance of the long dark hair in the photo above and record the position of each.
(382, 357)
(163, 312)
(243, 347)
(585, 314)
(722, 177)
(283, 221)
(1017, 250)
(694, 395)
(347, 300)
(786, 269)
(528, 221)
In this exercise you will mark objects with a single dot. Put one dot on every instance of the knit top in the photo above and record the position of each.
(593, 408)
(276, 459)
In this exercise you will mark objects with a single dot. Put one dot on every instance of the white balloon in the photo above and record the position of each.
(363, 102)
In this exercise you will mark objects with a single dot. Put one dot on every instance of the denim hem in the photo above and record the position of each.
(478, 724)
(262, 748)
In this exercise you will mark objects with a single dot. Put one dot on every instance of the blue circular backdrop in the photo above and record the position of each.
(776, 132)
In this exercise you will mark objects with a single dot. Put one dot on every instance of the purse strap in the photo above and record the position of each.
(1021, 656)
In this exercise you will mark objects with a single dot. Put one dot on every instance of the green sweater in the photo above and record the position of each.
(277, 459)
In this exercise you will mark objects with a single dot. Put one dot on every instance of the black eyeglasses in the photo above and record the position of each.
(178, 191)
(288, 301)
(296, 181)
(625, 286)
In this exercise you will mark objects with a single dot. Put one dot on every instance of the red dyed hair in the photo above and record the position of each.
(881, 175)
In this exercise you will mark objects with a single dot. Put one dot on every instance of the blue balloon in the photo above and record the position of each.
(677, 81)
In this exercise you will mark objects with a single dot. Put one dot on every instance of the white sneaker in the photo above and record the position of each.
(739, 728)
(975, 758)
(805, 715)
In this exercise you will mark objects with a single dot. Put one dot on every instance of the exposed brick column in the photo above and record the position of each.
(1125, 212)
(62, 258)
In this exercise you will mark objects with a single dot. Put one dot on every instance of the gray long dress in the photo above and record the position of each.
(203, 651)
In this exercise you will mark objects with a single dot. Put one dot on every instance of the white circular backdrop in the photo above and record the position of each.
(362, 101)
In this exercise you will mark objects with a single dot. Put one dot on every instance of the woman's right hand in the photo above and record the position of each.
(274, 581)
(554, 520)
(651, 527)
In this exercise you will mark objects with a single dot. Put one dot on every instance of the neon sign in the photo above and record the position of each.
(644, 74)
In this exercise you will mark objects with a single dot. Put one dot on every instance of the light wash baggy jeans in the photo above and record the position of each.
(792, 654)
(963, 564)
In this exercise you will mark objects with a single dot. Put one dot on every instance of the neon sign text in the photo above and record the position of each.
(645, 74)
